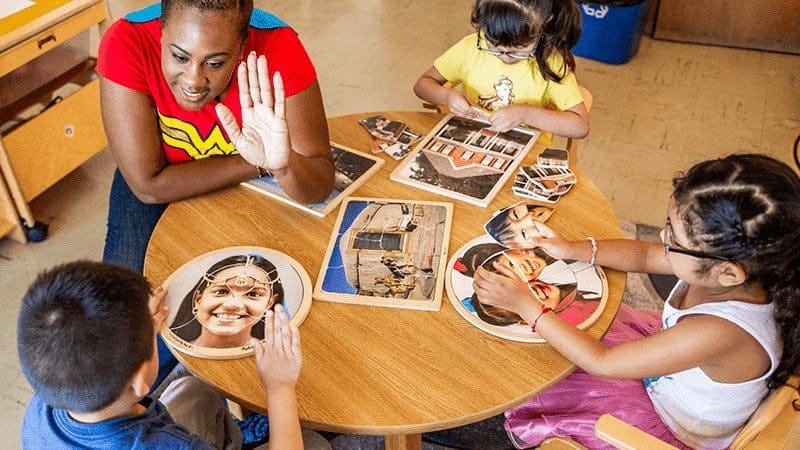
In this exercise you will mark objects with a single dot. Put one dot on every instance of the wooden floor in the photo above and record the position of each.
(672, 105)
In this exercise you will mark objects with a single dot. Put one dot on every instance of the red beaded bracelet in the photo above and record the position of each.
(544, 310)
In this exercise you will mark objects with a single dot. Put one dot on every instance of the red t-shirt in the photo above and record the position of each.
(130, 55)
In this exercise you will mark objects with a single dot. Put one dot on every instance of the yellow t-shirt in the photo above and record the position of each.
(492, 84)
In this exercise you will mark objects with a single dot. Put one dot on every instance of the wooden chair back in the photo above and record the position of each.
(783, 401)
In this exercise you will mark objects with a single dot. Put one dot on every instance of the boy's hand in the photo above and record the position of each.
(278, 358)
(158, 309)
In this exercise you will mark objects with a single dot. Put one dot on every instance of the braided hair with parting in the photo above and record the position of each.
(747, 207)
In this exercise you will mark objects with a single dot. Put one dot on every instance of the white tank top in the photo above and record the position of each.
(701, 412)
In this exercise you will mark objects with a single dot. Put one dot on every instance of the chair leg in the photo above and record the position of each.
(572, 148)
(237, 410)
(560, 443)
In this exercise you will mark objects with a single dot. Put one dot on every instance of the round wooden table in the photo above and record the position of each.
(375, 370)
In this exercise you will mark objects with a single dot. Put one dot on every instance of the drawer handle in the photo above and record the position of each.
(49, 38)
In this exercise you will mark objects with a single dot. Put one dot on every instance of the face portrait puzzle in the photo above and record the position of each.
(513, 225)
(218, 300)
(466, 160)
(576, 291)
(386, 252)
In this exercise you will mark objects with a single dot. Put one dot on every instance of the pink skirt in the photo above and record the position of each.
(571, 408)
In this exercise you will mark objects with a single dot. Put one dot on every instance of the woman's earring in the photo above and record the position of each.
(194, 311)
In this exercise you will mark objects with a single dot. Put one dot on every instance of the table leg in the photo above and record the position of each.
(403, 442)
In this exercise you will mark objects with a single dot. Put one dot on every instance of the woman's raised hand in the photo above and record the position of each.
(263, 138)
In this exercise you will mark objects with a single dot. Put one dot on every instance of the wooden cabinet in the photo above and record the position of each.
(41, 150)
(772, 25)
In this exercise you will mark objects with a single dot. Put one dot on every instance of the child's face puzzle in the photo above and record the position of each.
(528, 264)
(514, 226)
(218, 301)
(575, 290)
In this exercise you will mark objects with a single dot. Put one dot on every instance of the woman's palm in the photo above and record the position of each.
(263, 138)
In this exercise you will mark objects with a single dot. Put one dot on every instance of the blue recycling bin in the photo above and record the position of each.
(611, 30)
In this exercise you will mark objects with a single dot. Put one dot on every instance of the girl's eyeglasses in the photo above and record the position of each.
(513, 55)
(671, 247)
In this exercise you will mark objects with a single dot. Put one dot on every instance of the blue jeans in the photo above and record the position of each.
(130, 224)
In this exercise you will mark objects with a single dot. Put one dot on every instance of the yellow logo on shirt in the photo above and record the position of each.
(184, 135)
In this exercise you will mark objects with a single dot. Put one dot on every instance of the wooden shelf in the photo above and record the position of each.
(80, 74)
(43, 17)
(40, 151)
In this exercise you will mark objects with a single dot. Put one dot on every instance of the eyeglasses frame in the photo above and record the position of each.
(685, 251)
(512, 55)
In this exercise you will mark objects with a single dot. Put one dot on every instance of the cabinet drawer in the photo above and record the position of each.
(46, 40)
(51, 145)
(39, 72)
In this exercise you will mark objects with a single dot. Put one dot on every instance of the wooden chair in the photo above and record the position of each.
(774, 425)
(572, 144)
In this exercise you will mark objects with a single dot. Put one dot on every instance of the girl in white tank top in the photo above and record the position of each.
(729, 332)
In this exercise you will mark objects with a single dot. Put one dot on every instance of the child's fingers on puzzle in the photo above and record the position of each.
(295, 347)
(258, 348)
(269, 329)
(544, 230)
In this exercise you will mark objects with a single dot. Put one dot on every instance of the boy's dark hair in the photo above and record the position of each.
(244, 7)
(83, 330)
(516, 23)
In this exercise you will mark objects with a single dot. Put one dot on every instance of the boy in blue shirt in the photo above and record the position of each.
(86, 337)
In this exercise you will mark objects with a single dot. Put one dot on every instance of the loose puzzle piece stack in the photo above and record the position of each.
(391, 136)
(548, 179)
